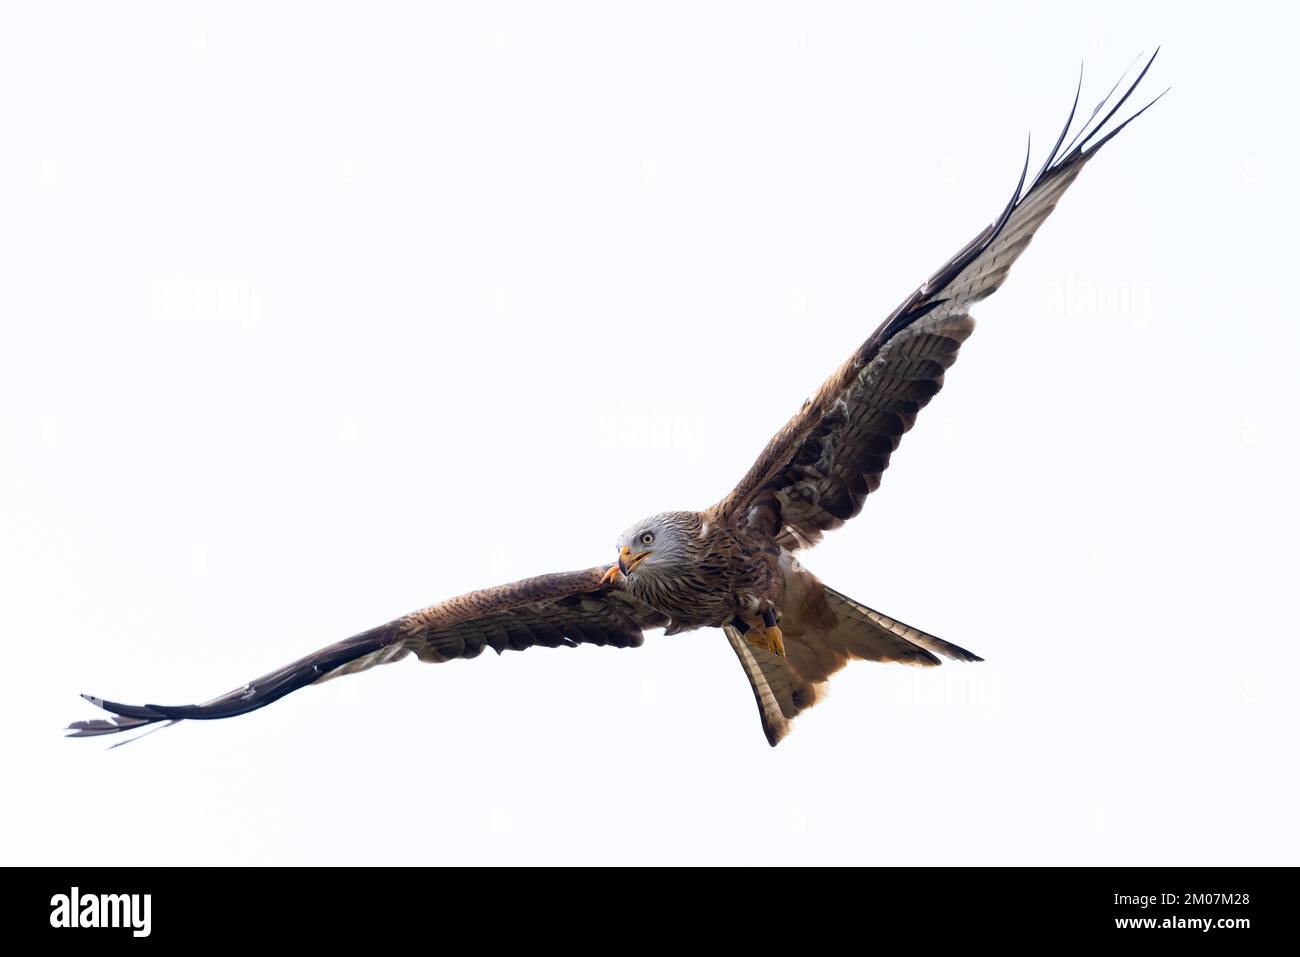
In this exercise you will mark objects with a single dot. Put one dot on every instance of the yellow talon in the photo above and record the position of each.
(611, 576)
(769, 638)
(775, 644)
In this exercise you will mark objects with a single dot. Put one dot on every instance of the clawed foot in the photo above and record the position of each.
(774, 642)
(768, 637)
(611, 577)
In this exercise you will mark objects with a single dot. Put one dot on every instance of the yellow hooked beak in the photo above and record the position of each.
(627, 562)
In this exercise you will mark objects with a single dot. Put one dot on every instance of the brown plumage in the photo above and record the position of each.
(733, 565)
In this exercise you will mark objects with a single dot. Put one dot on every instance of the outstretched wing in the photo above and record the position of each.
(816, 472)
(552, 610)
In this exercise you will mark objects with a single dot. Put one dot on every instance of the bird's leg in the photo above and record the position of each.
(772, 633)
(752, 635)
(611, 577)
(769, 636)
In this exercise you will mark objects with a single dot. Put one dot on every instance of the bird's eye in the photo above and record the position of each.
(647, 538)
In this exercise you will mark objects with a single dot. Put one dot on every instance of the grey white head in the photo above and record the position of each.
(657, 543)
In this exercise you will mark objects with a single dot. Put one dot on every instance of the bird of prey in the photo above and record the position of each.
(733, 565)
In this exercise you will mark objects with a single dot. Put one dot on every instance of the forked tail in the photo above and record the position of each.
(786, 686)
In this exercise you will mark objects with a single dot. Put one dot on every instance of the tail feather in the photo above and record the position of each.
(780, 691)
(823, 630)
(856, 620)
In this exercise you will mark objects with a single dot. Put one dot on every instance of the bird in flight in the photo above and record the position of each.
(733, 566)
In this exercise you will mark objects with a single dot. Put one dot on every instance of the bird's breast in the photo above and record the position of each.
(727, 575)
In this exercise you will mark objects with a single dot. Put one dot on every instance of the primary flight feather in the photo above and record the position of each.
(733, 566)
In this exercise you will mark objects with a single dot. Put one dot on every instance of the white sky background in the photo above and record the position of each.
(312, 317)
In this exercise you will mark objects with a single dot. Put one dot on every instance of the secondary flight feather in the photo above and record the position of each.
(733, 565)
